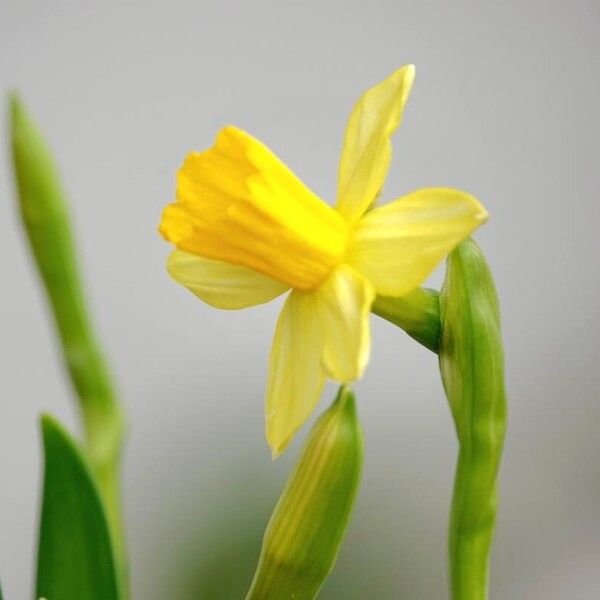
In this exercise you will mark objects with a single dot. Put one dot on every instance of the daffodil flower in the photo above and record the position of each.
(246, 230)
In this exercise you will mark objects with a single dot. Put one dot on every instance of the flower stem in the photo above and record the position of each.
(472, 367)
(417, 313)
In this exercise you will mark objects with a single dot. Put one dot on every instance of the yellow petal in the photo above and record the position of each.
(238, 203)
(398, 245)
(222, 284)
(345, 299)
(295, 373)
(367, 149)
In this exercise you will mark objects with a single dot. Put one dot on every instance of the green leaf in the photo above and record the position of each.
(75, 553)
(472, 366)
(305, 532)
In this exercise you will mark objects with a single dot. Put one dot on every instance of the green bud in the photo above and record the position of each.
(472, 366)
(46, 220)
(303, 537)
(418, 313)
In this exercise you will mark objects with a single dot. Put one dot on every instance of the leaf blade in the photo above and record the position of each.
(75, 553)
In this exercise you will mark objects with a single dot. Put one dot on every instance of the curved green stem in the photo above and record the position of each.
(417, 313)
(472, 367)
(462, 325)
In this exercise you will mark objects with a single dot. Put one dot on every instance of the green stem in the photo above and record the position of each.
(417, 313)
(472, 367)
(462, 325)
(47, 224)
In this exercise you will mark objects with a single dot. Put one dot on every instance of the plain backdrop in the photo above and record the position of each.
(506, 104)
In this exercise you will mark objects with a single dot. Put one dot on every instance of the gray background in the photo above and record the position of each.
(506, 105)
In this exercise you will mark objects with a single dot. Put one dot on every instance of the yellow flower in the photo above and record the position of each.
(246, 230)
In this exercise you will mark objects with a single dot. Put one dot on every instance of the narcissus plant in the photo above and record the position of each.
(246, 230)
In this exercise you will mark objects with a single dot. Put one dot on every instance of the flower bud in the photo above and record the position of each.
(303, 537)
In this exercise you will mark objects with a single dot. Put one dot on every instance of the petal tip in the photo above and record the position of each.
(481, 215)
(477, 210)
(407, 72)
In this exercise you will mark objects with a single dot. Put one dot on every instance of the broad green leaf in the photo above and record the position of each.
(75, 554)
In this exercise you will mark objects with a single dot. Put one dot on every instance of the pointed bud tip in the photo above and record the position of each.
(15, 105)
(345, 399)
